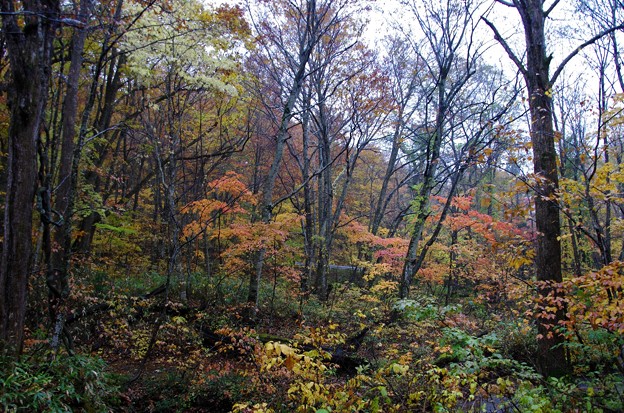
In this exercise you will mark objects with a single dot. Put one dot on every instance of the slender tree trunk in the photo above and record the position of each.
(451, 21)
(383, 200)
(325, 196)
(266, 204)
(421, 207)
(452, 267)
(103, 118)
(308, 224)
(564, 160)
(58, 273)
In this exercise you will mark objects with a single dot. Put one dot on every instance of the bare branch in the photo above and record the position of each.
(505, 3)
(502, 42)
(551, 8)
(581, 47)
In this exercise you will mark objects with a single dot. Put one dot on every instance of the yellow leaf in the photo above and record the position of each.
(286, 350)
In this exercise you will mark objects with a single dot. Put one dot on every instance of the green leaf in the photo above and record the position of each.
(383, 391)
(120, 230)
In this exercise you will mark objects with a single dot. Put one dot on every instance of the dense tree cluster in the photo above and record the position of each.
(344, 222)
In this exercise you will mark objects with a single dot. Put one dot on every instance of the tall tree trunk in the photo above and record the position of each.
(58, 273)
(29, 49)
(266, 205)
(539, 83)
(427, 184)
(308, 223)
(402, 92)
(306, 45)
(108, 55)
(325, 196)
(536, 74)
(383, 200)
(548, 247)
(563, 172)
(452, 22)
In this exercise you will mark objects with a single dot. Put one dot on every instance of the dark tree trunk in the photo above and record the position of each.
(325, 196)
(308, 225)
(29, 49)
(108, 55)
(383, 200)
(536, 72)
(58, 272)
(548, 247)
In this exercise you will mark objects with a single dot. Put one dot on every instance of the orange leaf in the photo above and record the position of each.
(290, 362)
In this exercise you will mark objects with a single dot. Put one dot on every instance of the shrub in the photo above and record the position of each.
(66, 384)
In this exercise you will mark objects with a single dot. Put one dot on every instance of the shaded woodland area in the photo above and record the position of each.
(312, 206)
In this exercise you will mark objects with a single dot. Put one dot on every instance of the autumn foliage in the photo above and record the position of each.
(255, 209)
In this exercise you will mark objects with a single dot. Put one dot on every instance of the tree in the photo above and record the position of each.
(289, 31)
(451, 58)
(569, 118)
(29, 31)
(98, 112)
(347, 111)
(58, 261)
(188, 62)
(535, 70)
(402, 68)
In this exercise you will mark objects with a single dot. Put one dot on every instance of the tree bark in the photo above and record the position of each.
(551, 353)
(29, 49)
(58, 272)
(548, 248)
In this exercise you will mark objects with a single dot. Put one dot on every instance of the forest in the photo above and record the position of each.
(311, 206)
